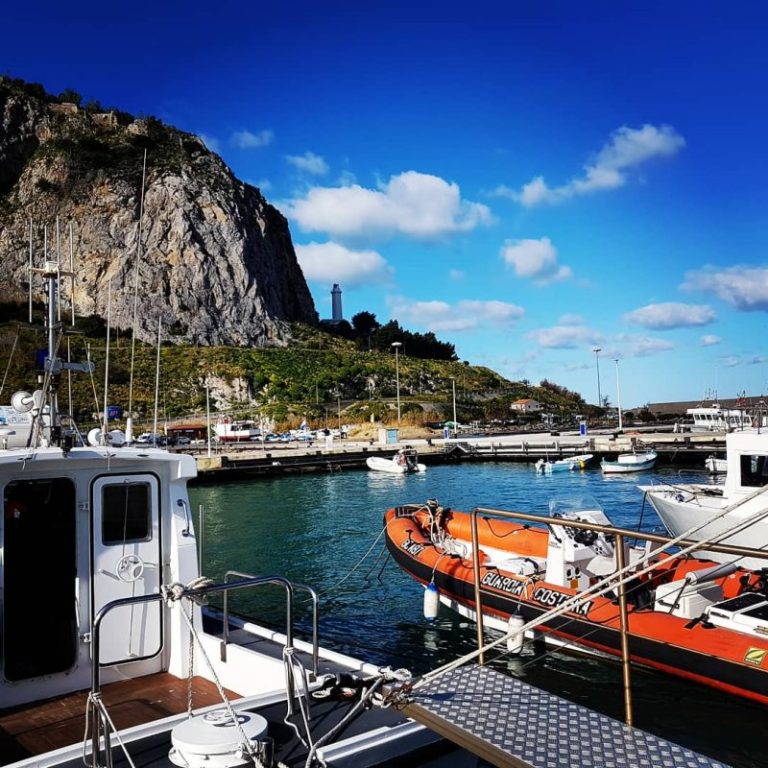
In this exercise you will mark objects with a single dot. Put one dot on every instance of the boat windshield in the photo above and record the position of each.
(568, 507)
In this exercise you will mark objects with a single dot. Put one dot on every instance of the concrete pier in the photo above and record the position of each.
(234, 461)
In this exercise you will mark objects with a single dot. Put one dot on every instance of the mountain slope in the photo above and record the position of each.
(217, 263)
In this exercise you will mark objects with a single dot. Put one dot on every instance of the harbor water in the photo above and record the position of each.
(325, 530)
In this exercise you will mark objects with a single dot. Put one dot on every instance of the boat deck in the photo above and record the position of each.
(515, 725)
(32, 729)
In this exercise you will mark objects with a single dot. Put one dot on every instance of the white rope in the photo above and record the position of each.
(364, 699)
(173, 594)
(95, 702)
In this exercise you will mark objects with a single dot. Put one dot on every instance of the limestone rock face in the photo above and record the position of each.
(210, 259)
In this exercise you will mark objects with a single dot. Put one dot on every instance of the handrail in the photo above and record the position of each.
(727, 549)
(623, 570)
(183, 504)
(289, 587)
(96, 735)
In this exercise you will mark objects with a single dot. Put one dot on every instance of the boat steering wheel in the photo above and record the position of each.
(129, 568)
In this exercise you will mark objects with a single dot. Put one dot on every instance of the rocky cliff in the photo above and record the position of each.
(216, 263)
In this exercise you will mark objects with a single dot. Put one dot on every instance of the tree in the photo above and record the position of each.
(69, 96)
(365, 323)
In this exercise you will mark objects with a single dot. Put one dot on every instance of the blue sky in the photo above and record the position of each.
(529, 180)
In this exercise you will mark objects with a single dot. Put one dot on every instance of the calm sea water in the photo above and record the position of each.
(325, 530)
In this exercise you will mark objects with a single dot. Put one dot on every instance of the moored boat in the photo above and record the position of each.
(567, 464)
(716, 465)
(695, 619)
(404, 461)
(739, 506)
(108, 653)
(630, 462)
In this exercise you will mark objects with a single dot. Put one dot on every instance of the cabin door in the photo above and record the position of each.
(127, 563)
(38, 601)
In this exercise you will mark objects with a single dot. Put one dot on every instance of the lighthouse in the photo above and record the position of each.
(336, 313)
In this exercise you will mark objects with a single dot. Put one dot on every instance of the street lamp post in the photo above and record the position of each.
(453, 387)
(397, 345)
(618, 392)
(597, 351)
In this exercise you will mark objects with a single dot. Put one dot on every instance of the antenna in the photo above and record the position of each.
(106, 361)
(72, 270)
(136, 286)
(157, 374)
(58, 267)
(30, 272)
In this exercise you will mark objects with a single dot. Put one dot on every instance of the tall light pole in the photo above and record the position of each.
(597, 351)
(453, 387)
(397, 345)
(618, 391)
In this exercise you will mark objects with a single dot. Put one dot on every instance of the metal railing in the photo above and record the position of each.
(289, 588)
(621, 534)
(100, 729)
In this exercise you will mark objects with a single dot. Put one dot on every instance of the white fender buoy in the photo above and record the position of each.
(431, 601)
(515, 636)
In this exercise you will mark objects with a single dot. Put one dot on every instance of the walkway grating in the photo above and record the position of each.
(515, 725)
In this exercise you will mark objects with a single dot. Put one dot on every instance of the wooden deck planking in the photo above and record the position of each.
(33, 729)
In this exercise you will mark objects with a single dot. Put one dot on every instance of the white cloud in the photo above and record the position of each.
(732, 361)
(745, 288)
(644, 346)
(333, 263)
(248, 140)
(309, 162)
(536, 259)
(456, 274)
(670, 315)
(708, 340)
(463, 316)
(626, 149)
(571, 320)
(565, 337)
(412, 204)
(212, 143)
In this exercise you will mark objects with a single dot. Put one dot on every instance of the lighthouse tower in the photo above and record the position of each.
(336, 313)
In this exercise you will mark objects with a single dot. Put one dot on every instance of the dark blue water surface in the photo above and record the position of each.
(325, 530)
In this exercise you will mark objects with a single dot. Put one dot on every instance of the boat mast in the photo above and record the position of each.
(53, 365)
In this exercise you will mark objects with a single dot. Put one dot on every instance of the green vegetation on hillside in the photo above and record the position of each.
(319, 373)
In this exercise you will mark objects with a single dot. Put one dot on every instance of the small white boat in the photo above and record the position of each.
(570, 463)
(716, 466)
(630, 462)
(404, 461)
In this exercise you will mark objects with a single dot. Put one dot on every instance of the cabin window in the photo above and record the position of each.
(754, 471)
(126, 513)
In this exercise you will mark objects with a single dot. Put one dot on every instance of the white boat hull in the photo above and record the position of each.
(388, 465)
(630, 462)
(563, 465)
(686, 508)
